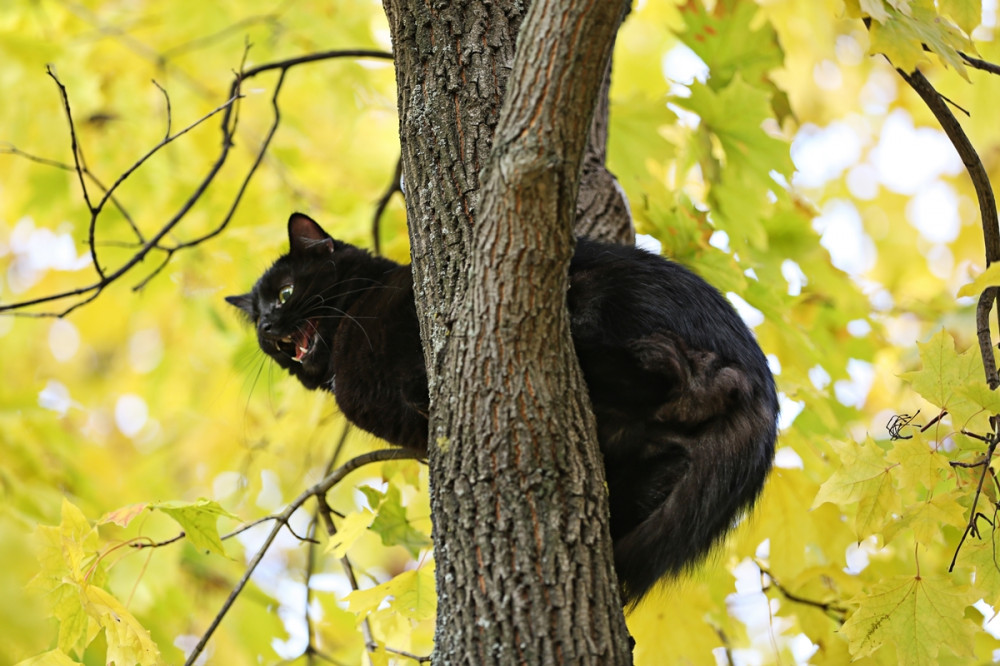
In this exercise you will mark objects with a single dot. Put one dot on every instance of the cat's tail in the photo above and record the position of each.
(726, 470)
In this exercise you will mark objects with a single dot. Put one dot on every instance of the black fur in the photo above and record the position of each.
(685, 405)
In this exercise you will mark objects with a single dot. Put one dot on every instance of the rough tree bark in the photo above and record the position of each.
(518, 496)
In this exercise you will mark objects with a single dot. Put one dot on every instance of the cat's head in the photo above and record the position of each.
(294, 303)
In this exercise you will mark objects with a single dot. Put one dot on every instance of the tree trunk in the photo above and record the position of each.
(518, 495)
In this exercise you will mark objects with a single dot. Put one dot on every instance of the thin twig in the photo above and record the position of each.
(239, 27)
(402, 653)
(80, 163)
(10, 149)
(383, 202)
(971, 527)
(239, 530)
(322, 509)
(941, 415)
(980, 64)
(833, 610)
(166, 98)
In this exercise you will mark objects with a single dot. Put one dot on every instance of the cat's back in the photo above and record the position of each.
(619, 293)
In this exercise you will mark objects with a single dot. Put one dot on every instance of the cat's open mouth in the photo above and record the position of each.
(300, 344)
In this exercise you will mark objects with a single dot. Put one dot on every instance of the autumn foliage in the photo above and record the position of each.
(150, 455)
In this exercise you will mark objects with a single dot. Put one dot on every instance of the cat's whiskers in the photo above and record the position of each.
(344, 315)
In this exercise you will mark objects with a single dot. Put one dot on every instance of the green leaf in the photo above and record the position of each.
(981, 555)
(903, 38)
(737, 157)
(729, 40)
(199, 520)
(394, 527)
(917, 615)
(373, 496)
(363, 602)
(745, 144)
(73, 620)
(66, 556)
(931, 516)
(875, 9)
(78, 539)
(980, 394)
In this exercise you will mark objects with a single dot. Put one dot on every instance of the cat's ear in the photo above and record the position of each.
(305, 236)
(243, 302)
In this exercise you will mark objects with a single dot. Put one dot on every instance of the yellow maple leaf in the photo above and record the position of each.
(866, 477)
(351, 528)
(128, 641)
(946, 375)
(918, 615)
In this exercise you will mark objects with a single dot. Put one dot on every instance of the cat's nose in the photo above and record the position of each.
(265, 328)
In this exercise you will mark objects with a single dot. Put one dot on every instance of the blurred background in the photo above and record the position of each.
(842, 259)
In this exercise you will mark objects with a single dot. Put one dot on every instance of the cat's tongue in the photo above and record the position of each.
(304, 340)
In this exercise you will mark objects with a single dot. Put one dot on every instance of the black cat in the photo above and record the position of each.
(685, 405)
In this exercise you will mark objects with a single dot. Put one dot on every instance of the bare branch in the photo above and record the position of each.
(229, 111)
(394, 186)
(285, 65)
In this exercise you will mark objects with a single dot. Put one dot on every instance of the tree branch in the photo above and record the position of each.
(984, 192)
(229, 123)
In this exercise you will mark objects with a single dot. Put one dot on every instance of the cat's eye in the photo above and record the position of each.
(285, 294)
